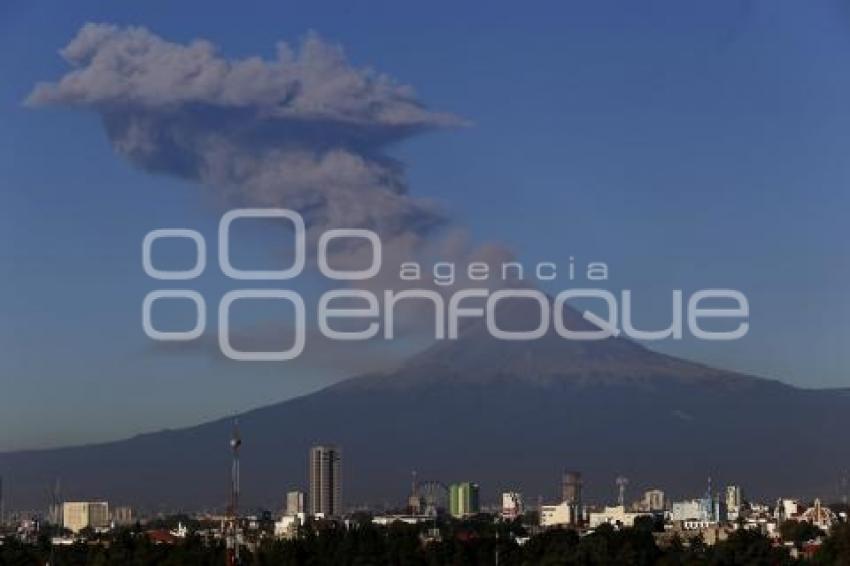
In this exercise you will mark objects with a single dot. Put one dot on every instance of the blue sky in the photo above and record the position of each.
(686, 146)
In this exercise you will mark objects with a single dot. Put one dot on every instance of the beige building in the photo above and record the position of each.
(557, 515)
(77, 515)
(294, 503)
(617, 516)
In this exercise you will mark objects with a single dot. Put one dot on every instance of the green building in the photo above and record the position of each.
(463, 499)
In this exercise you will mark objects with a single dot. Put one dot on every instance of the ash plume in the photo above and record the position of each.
(306, 130)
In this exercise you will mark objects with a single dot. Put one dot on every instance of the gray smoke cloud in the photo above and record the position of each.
(305, 130)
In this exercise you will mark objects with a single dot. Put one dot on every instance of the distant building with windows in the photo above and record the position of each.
(294, 503)
(571, 488)
(512, 506)
(78, 515)
(699, 512)
(559, 515)
(325, 497)
(464, 499)
(123, 516)
(787, 509)
(734, 501)
(287, 526)
(689, 510)
(616, 516)
(653, 501)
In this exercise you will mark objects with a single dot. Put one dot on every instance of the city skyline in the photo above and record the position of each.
(463, 500)
(801, 529)
(324, 488)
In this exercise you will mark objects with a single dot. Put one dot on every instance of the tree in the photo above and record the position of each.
(748, 547)
(799, 532)
(836, 547)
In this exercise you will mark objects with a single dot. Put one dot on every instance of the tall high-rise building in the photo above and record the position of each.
(325, 481)
(294, 503)
(734, 496)
(571, 488)
(734, 501)
(54, 514)
(653, 500)
(464, 499)
(415, 501)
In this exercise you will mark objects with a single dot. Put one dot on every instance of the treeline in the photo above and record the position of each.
(467, 543)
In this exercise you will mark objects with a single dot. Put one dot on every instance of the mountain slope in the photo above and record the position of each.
(505, 414)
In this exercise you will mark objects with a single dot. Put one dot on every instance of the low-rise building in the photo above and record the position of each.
(786, 509)
(616, 516)
(385, 520)
(287, 526)
(559, 515)
(703, 510)
(689, 510)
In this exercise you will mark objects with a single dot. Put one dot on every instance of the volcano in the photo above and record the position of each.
(507, 415)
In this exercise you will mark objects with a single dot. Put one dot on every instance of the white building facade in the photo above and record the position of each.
(558, 515)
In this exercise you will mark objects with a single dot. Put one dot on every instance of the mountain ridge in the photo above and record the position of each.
(511, 416)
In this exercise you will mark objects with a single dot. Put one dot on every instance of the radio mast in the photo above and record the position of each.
(233, 508)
